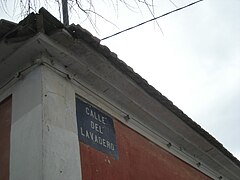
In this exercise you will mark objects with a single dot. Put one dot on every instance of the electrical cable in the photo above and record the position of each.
(183, 7)
(17, 75)
(8, 82)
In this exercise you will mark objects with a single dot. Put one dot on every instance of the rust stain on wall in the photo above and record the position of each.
(5, 128)
(139, 159)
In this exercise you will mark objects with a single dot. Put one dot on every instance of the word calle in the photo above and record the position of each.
(95, 115)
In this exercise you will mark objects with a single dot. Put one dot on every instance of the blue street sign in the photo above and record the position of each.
(96, 129)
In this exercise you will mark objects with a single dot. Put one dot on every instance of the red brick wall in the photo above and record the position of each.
(139, 159)
(5, 127)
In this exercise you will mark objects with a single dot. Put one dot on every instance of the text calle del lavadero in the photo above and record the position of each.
(96, 129)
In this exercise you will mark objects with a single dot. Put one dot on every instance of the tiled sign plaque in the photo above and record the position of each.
(96, 129)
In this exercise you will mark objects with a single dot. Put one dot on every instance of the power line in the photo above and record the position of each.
(16, 76)
(152, 19)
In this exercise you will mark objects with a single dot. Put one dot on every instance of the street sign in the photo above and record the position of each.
(96, 128)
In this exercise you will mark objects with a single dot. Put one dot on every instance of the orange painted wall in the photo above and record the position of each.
(139, 159)
(5, 127)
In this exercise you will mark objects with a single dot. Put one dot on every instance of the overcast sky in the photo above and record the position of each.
(195, 62)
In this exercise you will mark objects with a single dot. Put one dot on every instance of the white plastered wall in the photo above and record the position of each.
(44, 141)
(61, 159)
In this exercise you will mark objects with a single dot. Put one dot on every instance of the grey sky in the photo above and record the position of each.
(195, 62)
